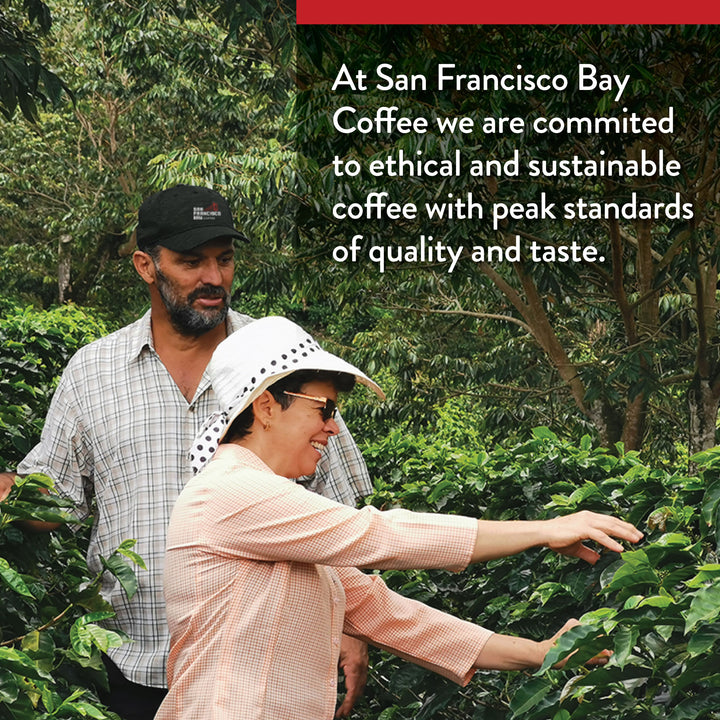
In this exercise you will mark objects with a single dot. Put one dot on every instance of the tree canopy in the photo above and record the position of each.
(211, 93)
(25, 79)
(160, 92)
(619, 337)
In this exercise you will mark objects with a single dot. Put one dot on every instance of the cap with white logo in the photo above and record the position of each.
(183, 217)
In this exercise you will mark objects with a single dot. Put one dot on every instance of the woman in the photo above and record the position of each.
(262, 576)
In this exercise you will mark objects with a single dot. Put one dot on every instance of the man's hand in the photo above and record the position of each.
(566, 534)
(7, 480)
(354, 666)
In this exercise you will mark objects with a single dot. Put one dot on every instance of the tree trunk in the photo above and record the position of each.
(607, 421)
(703, 405)
(64, 265)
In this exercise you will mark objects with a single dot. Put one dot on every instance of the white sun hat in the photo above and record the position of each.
(251, 359)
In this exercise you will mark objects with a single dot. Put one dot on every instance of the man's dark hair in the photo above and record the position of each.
(342, 382)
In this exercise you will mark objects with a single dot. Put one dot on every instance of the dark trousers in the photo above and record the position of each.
(128, 699)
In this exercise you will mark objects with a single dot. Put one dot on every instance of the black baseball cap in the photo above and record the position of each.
(184, 216)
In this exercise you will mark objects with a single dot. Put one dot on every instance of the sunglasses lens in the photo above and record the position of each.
(328, 412)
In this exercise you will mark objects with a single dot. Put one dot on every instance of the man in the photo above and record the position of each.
(124, 415)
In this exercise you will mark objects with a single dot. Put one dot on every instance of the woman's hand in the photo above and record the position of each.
(354, 666)
(506, 652)
(599, 659)
(566, 534)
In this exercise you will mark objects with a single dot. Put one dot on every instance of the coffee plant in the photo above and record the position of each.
(656, 606)
(35, 346)
(51, 632)
(51, 639)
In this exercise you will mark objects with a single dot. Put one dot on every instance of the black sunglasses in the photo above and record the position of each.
(327, 411)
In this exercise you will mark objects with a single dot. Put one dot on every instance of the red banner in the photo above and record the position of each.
(526, 12)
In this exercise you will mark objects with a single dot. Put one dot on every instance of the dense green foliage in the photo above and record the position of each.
(50, 639)
(656, 606)
(25, 80)
(210, 93)
(626, 343)
(35, 348)
(51, 642)
(161, 93)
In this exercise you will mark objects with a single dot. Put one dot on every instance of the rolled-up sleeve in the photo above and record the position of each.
(275, 567)
(63, 452)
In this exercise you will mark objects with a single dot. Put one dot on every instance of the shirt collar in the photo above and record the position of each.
(140, 336)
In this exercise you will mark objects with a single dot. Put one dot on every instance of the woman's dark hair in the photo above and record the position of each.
(342, 382)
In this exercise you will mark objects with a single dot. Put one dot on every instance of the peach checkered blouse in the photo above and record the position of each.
(261, 580)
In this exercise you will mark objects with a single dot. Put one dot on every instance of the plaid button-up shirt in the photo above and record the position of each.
(115, 441)
(262, 582)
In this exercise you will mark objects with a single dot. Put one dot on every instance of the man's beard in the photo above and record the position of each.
(185, 318)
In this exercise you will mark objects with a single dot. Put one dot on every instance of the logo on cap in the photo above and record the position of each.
(207, 213)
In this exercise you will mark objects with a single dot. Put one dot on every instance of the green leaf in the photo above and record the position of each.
(13, 579)
(29, 511)
(577, 638)
(710, 502)
(40, 646)
(604, 617)
(443, 488)
(86, 709)
(544, 433)
(23, 707)
(21, 664)
(696, 707)
(125, 548)
(529, 695)
(36, 480)
(703, 639)
(704, 606)
(388, 713)
(122, 571)
(50, 699)
(625, 639)
(659, 601)
(31, 642)
(635, 573)
(673, 540)
(85, 634)
(705, 573)
(9, 687)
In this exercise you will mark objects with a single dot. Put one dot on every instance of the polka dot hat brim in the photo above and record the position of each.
(251, 359)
